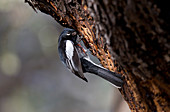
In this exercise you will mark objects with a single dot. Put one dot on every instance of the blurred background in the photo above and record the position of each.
(32, 78)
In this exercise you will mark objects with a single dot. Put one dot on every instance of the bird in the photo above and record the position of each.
(77, 60)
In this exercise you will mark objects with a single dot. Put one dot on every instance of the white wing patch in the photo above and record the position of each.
(88, 59)
(69, 49)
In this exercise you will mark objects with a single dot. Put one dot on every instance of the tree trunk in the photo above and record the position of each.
(134, 33)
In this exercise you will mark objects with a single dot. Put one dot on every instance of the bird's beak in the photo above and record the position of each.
(74, 33)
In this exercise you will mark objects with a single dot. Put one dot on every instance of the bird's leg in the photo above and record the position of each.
(82, 48)
(78, 41)
(79, 38)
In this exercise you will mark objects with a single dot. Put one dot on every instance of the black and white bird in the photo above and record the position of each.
(74, 57)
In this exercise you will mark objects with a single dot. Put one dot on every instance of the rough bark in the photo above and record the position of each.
(134, 33)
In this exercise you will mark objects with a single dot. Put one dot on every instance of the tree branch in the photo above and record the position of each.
(137, 36)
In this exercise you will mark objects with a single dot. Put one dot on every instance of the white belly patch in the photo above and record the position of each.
(69, 49)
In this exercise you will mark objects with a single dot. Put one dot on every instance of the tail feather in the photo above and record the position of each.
(91, 67)
(111, 77)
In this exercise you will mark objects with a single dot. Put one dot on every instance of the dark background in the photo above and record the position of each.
(32, 78)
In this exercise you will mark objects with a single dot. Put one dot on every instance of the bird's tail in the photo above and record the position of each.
(98, 70)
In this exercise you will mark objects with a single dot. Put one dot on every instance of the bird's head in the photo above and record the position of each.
(68, 34)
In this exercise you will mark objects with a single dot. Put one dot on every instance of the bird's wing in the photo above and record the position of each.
(73, 61)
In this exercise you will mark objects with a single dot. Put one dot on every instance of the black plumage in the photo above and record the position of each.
(76, 59)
